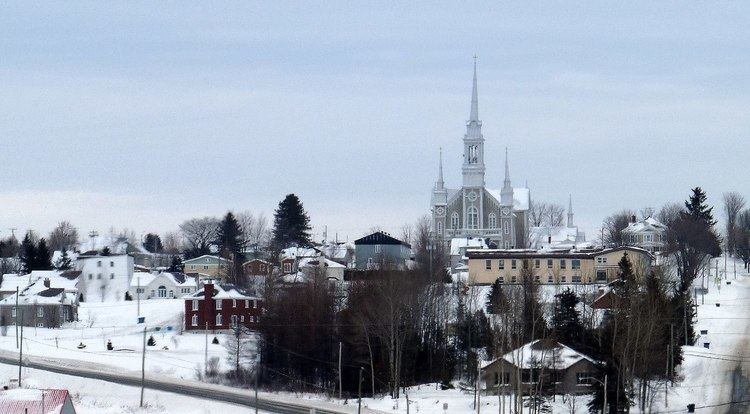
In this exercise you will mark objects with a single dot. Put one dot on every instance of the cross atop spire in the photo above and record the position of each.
(474, 115)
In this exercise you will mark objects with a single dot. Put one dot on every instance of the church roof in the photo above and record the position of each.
(520, 198)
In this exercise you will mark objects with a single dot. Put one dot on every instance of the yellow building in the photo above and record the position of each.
(550, 267)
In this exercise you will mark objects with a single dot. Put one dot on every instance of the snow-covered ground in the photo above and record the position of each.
(100, 397)
(116, 322)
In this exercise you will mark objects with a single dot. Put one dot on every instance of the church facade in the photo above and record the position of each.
(473, 210)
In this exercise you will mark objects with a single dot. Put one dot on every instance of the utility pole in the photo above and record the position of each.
(138, 292)
(671, 352)
(143, 365)
(257, 374)
(666, 383)
(20, 356)
(341, 381)
(16, 312)
(604, 407)
(205, 355)
(359, 392)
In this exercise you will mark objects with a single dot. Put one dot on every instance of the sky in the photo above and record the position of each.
(142, 114)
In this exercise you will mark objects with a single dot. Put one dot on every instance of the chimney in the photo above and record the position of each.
(46, 282)
(632, 219)
(208, 289)
(549, 239)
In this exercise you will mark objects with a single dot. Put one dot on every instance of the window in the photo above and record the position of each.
(575, 264)
(205, 267)
(506, 227)
(111, 276)
(152, 294)
(505, 378)
(218, 304)
(454, 220)
(194, 320)
(488, 264)
(218, 319)
(576, 278)
(262, 268)
(65, 314)
(537, 278)
(525, 263)
(563, 279)
(195, 304)
(162, 291)
(513, 264)
(192, 267)
(98, 263)
(13, 312)
(529, 376)
(473, 154)
(111, 264)
(601, 275)
(255, 304)
(601, 260)
(91, 276)
(513, 279)
(440, 227)
(242, 318)
(40, 312)
(40, 325)
(537, 263)
(378, 248)
(98, 275)
(493, 220)
(247, 304)
(234, 303)
(233, 320)
(501, 279)
(550, 279)
(549, 263)
(501, 264)
(472, 217)
(287, 267)
(583, 378)
(562, 264)
(171, 293)
(507, 244)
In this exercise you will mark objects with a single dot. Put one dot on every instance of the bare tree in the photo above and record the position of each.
(543, 214)
(668, 213)
(199, 235)
(172, 242)
(63, 237)
(255, 229)
(646, 212)
(614, 225)
(733, 203)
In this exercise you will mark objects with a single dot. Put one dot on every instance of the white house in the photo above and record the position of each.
(104, 278)
(649, 234)
(164, 285)
(327, 267)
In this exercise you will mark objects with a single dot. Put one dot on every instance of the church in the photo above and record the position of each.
(473, 210)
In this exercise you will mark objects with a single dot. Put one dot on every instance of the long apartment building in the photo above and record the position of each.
(554, 266)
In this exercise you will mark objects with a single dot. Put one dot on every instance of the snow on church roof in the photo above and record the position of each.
(520, 198)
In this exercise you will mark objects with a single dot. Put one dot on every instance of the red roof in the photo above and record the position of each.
(36, 401)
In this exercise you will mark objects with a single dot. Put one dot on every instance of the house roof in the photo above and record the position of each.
(146, 278)
(645, 225)
(223, 291)
(542, 353)
(316, 261)
(202, 259)
(379, 237)
(458, 243)
(256, 260)
(61, 290)
(550, 253)
(32, 401)
(295, 252)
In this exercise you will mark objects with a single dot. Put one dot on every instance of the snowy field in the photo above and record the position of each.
(116, 322)
(100, 397)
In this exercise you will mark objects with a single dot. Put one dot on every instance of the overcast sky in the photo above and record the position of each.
(141, 115)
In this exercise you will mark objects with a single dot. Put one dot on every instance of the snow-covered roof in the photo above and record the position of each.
(11, 281)
(60, 290)
(146, 278)
(223, 291)
(520, 197)
(645, 225)
(337, 251)
(551, 237)
(543, 353)
(205, 258)
(66, 280)
(458, 243)
(32, 401)
(315, 261)
(295, 252)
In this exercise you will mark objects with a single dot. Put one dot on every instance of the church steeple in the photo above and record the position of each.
(474, 114)
(473, 166)
(440, 182)
(440, 193)
(506, 194)
(570, 211)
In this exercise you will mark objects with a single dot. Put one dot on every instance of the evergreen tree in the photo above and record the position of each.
(28, 252)
(566, 320)
(105, 251)
(291, 224)
(496, 300)
(696, 207)
(229, 236)
(43, 259)
(64, 262)
(153, 243)
(176, 265)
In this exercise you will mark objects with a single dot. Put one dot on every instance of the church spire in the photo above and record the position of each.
(570, 211)
(474, 115)
(506, 182)
(506, 194)
(440, 182)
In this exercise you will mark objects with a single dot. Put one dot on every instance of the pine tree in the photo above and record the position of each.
(566, 320)
(28, 252)
(43, 260)
(176, 265)
(696, 207)
(229, 235)
(496, 301)
(64, 262)
(153, 243)
(291, 224)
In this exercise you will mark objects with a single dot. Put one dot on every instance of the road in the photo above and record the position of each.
(267, 402)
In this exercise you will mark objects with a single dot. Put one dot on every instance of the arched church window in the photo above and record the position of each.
(506, 227)
(473, 154)
(493, 221)
(472, 216)
(454, 220)
(440, 228)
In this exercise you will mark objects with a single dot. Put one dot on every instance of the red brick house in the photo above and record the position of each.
(220, 306)
(256, 267)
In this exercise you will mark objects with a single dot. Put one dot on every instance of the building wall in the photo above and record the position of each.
(206, 313)
(256, 268)
(151, 290)
(590, 270)
(105, 278)
(53, 315)
(568, 381)
(384, 254)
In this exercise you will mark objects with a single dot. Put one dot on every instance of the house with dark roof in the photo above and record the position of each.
(42, 304)
(381, 250)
